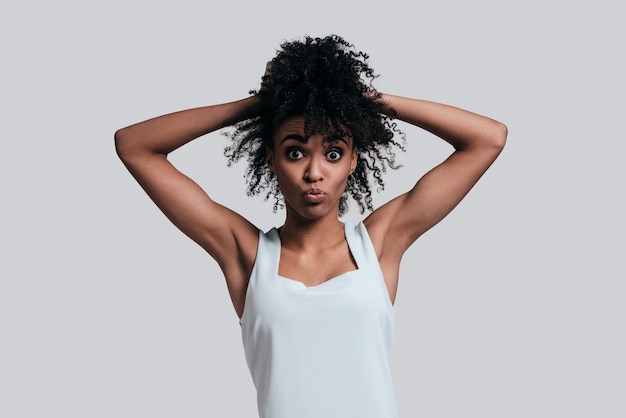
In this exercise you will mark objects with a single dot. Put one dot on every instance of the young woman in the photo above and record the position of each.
(314, 296)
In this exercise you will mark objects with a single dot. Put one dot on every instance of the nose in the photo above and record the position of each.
(314, 172)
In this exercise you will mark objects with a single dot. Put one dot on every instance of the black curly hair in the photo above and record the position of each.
(329, 83)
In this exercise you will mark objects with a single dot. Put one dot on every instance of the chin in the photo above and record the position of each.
(314, 212)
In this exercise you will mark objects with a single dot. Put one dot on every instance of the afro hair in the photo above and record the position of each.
(328, 83)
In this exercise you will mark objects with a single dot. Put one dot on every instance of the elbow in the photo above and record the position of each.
(123, 144)
(501, 131)
(131, 148)
(495, 138)
(120, 143)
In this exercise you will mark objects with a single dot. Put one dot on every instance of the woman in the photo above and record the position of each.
(315, 296)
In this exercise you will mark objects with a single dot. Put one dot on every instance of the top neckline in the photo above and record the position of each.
(299, 283)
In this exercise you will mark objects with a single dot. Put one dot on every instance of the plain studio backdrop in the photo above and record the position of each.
(513, 306)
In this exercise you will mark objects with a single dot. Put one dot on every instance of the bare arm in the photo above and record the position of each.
(224, 234)
(477, 141)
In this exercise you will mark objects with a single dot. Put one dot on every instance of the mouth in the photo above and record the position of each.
(314, 195)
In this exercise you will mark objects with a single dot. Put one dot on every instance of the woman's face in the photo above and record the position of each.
(312, 172)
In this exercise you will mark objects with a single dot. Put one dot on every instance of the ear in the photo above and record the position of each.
(355, 158)
(269, 157)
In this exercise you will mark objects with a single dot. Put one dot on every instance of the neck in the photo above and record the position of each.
(306, 233)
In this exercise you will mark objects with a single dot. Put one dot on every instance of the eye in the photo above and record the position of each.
(294, 153)
(333, 155)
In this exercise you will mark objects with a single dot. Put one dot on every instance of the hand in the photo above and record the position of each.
(266, 77)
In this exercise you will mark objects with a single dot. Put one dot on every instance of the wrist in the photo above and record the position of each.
(251, 107)
(386, 101)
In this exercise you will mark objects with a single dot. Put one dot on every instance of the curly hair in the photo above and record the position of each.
(329, 83)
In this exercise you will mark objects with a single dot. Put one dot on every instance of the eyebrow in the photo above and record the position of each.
(297, 137)
(305, 140)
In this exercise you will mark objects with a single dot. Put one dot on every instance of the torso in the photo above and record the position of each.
(302, 265)
(307, 268)
(324, 338)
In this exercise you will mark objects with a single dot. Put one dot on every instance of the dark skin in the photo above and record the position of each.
(312, 237)
(312, 174)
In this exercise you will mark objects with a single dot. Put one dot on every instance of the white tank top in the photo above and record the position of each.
(321, 351)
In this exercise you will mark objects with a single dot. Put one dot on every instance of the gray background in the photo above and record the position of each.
(511, 307)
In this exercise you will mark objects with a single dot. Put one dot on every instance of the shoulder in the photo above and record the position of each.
(379, 225)
(236, 257)
(244, 241)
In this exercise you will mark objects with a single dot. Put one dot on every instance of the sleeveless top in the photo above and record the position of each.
(321, 351)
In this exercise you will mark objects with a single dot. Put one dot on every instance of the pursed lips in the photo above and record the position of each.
(314, 195)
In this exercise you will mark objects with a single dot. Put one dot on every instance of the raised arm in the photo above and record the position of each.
(224, 234)
(477, 141)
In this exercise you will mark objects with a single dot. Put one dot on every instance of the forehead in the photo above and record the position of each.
(292, 125)
(297, 126)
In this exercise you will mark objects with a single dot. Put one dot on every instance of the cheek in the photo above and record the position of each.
(270, 160)
(287, 177)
